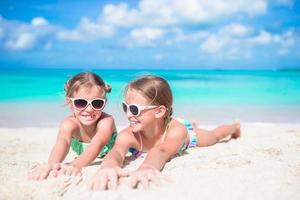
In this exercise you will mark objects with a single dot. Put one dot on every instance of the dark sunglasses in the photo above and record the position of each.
(135, 109)
(81, 104)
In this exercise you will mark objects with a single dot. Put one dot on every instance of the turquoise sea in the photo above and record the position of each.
(35, 97)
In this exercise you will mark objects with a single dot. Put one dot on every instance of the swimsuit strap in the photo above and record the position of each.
(141, 141)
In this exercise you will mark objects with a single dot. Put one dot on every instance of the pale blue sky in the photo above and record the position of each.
(198, 34)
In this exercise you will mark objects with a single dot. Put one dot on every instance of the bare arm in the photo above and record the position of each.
(62, 145)
(149, 171)
(117, 155)
(159, 155)
(58, 153)
(108, 174)
(105, 128)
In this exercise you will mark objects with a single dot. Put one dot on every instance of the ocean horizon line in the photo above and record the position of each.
(247, 86)
(87, 68)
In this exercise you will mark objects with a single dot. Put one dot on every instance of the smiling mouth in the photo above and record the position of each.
(132, 123)
(88, 117)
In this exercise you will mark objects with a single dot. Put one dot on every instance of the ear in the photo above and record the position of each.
(160, 112)
(68, 102)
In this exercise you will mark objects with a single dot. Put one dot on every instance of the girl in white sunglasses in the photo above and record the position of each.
(148, 105)
(89, 131)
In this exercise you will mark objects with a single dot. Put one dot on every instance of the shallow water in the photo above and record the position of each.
(35, 97)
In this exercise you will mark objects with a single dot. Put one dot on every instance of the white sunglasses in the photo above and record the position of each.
(81, 104)
(135, 109)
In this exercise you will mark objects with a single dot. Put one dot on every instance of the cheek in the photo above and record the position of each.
(147, 117)
(98, 113)
(75, 112)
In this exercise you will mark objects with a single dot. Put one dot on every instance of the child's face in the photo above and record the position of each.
(145, 117)
(88, 116)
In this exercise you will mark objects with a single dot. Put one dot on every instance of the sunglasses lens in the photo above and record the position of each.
(124, 107)
(134, 109)
(80, 103)
(98, 104)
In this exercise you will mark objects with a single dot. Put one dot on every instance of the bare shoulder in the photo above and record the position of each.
(69, 123)
(126, 136)
(106, 120)
(126, 133)
(176, 129)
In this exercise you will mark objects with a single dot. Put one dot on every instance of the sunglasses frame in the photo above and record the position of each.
(139, 108)
(89, 102)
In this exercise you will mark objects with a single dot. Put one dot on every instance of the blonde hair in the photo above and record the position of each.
(88, 79)
(156, 90)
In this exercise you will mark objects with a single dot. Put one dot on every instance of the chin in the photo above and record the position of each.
(88, 122)
(135, 130)
(136, 127)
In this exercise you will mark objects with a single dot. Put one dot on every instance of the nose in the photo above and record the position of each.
(129, 114)
(89, 108)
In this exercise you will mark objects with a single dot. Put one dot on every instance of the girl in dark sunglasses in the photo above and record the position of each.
(148, 105)
(89, 131)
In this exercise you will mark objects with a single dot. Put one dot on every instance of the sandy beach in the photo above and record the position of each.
(223, 61)
(263, 164)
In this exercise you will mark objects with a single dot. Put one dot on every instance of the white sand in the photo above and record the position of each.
(263, 164)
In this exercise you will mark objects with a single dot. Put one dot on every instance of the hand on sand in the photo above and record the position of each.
(107, 178)
(65, 169)
(39, 172)
(145, 176)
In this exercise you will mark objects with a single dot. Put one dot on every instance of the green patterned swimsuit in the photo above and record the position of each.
(78, 146)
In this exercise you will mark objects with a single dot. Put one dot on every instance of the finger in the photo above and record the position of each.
(133, 181)
(91, 185)
(54, 173)
(75, 172)
(113, 180)
(111, 185)
(97, 179)
(103, 182)
(44, 174)
(69, 171)
(35, 175)
(122, 180)
(61, 171)
(144, 181)
(122, 172)
(34, 172)
(56, 167)
(94, 185)
(153, 178)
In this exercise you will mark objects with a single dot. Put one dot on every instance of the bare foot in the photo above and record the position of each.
(237, 133)
(194, 124)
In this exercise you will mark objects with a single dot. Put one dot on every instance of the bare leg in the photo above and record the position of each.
(207, 138)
